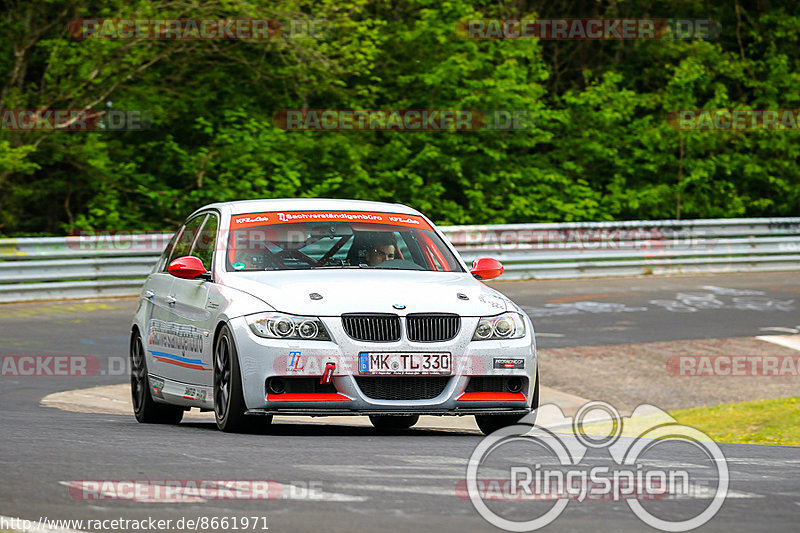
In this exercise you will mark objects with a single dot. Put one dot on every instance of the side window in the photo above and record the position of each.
(204, 244)
(163, 263)
(183, 246)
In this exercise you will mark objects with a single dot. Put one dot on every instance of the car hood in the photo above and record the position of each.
(369, 291)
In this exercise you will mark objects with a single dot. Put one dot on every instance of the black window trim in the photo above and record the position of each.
(208, 214)
(180, 234)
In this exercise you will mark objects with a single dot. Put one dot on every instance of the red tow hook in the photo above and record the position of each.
(327, 376)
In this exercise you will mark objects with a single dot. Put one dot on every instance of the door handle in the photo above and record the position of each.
(149, 295)
(171, 300)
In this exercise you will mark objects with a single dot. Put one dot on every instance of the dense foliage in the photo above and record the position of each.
(599, 149)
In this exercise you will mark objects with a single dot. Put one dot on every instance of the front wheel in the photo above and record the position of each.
(229, 406)
(491, 423)
(393, 421)
(147, 410)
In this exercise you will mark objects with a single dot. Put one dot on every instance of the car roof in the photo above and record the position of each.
(309, 204)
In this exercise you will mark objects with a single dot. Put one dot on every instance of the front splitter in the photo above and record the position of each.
(360, 412)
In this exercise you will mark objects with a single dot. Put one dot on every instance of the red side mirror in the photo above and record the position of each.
(485, 268)
(187, 267)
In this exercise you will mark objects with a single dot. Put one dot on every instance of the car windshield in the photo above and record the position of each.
(339, 239)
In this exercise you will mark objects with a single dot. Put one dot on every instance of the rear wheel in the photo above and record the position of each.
(393, 421)
(491, 423)
(147, 410)
(229, 406)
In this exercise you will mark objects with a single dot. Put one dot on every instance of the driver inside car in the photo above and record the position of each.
(380, 248)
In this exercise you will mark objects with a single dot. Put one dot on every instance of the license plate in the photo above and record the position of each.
(440, 364)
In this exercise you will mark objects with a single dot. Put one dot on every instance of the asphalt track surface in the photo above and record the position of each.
(362, 479)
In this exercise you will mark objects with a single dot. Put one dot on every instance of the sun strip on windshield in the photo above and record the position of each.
(293, 217)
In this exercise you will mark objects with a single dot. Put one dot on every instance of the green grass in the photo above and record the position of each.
(760, 422)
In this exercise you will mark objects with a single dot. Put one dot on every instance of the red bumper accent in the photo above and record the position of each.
(492, 397)
(308, 397)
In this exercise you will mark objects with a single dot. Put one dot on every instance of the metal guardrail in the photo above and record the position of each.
(116, 265)
(77, 267)
(599, 249)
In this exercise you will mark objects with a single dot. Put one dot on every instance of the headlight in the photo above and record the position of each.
(505, 326)
(283, 326)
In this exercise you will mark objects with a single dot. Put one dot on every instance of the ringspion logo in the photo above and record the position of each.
(596, 456)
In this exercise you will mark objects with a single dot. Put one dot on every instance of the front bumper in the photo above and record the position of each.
(261, 359)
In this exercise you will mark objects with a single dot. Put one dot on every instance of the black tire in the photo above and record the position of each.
(145, 408)
(491, 423)
(393, 421)
(229, 406)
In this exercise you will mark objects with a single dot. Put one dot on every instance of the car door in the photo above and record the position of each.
(173, 348)
(154, 297)
(192, 320)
